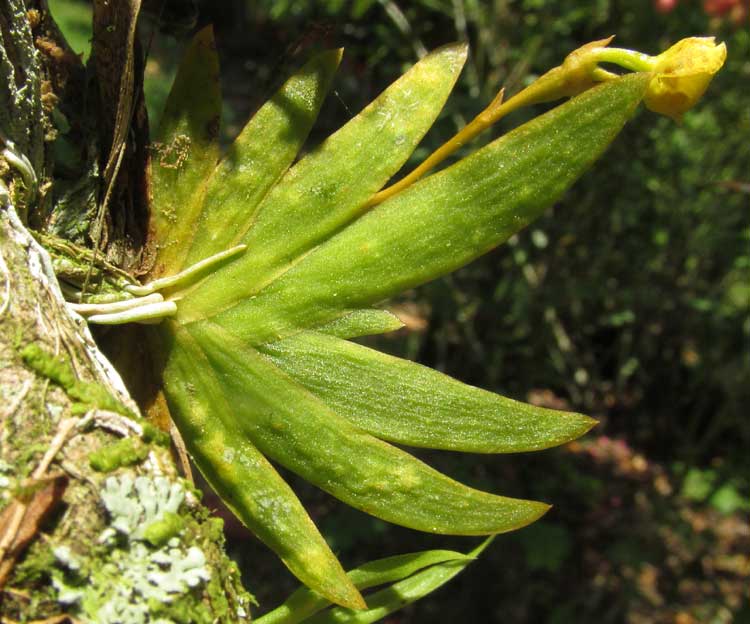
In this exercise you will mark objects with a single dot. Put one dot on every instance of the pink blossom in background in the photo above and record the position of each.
(665, 6)
(736, 10)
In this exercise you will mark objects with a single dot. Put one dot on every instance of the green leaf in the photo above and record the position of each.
(363, 323)
(242, 476)
(386, 601)
(185, 152)
(390, 569)
(291, 426)
(329, 187)
(404, 402)
(440, 223)
(247, 378)
(260, 155)
(304, 602)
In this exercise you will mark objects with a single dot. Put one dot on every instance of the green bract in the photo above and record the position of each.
(256, 360)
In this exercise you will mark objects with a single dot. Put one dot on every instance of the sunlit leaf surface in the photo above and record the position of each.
(257, 363)
(404, 402)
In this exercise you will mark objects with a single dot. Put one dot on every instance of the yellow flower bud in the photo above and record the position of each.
(682, 74)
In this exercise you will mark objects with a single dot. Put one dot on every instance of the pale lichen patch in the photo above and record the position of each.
(133, 579)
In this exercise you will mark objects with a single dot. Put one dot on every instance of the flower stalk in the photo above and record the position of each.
(681, 75)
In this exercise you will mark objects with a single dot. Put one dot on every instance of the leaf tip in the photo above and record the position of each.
(460, 49)
(539, 509)
(580, 425)
(587, 424)
(333, 56)
(351, 599)
(455, 53)
(530, 513)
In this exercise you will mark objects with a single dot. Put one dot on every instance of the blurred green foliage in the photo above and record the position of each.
(546, 546)
(707, 486)
(74, 18)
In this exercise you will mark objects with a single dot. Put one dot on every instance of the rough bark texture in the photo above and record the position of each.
(95, 523)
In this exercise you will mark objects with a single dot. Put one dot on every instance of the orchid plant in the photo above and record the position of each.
(265, 269)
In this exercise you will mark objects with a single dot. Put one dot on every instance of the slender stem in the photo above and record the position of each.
(629, 59)
(578, 72)
(537, 92)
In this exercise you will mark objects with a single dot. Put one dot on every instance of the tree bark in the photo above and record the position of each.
(96, 524)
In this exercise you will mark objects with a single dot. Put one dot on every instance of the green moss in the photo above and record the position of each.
(125, 452)
(96, 396)
(186, 611)
(161, 531)
(155, 435)
(230, 602)
(90, 395)
(218, 597)
(213, 529)
(48, 366)
(26, 457)
(35, 565)
(196, 493)
(87, 395)
(79, 409)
